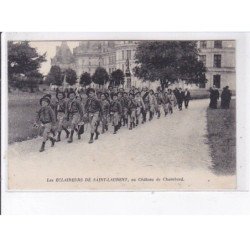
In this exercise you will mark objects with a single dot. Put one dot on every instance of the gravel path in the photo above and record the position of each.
(172, 147)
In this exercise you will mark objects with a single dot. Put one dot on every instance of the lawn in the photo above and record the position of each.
(21, 114)
(222, 138)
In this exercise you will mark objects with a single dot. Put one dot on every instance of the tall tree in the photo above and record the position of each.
(168, 62)
(71, 76)
(23, 62)
(55, 76)
(100, 76)
(117, 77)
(85, 79)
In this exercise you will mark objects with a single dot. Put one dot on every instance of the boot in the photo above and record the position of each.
(133, 124)
(42, 147)
(137, 122)
(71, 136)
(52, 141)
(130, 127)
(59, 136)
(96, 135)
(67, 133)
(91, 138)
(159, 114)
(106, 127)
(79, 136)
(103, 129)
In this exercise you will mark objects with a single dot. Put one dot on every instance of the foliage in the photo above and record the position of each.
(23, 65)
(168, 62)
(55, 76)
(71, 76)
(85, 79)
(117, 77)
(100, 76)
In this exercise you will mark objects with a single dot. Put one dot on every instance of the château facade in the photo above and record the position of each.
(218, 57)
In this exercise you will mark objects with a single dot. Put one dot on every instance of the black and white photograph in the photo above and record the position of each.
(120, 115)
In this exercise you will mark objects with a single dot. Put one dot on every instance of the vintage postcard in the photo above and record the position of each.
(121, 114)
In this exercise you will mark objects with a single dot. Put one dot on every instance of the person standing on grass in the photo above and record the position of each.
(214, 97)
(187, 97)
(74, 114)
(225, 98)
(46, 119)
(60, 108)
(93, 109)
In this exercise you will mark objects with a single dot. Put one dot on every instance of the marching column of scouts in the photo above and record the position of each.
(73, 109)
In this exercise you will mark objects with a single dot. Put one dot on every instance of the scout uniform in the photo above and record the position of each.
(158, 105)
(145, 98)
(74, 114)
(125, 109)
(93, 109)
(152, 105)
(105, 113)
(132, 111)
(121, 115)
(167, 103)
(60, 110)
(140, 107)
(115, 112)
(46, 119)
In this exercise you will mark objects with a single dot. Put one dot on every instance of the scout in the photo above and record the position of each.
(105, 112)
(93, 109)
(125, 108)
(45, 119)
(74, 114)
(158, 105)
(167, 103)
(115, 112)
(60, 110)
(152, 104)
(132, 110)
(140, 107)
(121, 115)
(145, 98)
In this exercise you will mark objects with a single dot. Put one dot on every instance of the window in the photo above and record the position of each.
(217, 61)
(203, 59)
(123, 67)
(129, 54)
(216, 81)
(218, 44)
(203, 44)
(89, 63)
(123, 55)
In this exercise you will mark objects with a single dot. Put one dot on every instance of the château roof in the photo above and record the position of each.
(63, 54)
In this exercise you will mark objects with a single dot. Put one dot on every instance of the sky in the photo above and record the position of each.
(50, 48)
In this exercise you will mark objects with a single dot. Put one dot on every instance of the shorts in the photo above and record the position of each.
(93, 121)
